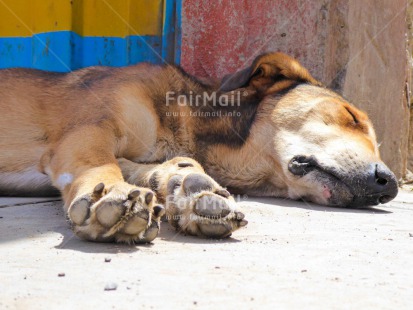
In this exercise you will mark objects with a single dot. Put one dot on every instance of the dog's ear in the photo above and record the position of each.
(269, 73)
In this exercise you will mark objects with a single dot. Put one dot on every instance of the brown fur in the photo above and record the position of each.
(74, 127)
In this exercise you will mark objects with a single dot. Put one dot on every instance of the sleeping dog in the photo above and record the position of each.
(124, 146)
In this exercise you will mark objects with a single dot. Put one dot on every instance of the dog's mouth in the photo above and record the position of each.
(301, 165)
(357, 189)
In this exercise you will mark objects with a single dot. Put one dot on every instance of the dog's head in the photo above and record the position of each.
(324, 148)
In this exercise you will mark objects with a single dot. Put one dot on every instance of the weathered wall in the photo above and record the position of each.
(356, 47)
(410, 83)
(377, 73)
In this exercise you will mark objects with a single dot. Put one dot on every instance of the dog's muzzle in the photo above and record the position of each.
(374, 185)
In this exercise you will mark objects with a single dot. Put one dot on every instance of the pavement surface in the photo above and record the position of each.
(291, 255)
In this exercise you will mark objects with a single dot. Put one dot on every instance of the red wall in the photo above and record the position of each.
(219, 37)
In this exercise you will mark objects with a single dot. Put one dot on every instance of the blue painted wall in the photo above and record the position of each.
(66, 50)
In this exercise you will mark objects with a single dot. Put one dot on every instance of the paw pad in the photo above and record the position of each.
(212, 207)
(215, 230)
(120, 213)
(109, 213)
(196, 182)
(80, 211)
(148, 197)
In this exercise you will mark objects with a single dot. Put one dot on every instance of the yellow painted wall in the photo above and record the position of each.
(116, 18)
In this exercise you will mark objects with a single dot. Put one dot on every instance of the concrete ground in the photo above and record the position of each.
(291, 255)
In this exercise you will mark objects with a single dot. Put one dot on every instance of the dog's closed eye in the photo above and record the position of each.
(356, 121)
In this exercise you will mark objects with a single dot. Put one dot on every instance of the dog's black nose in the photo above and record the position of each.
(380, 187)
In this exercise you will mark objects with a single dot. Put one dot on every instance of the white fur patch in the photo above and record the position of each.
(64, 180)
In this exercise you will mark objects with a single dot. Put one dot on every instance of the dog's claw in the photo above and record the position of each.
(239, 215)
(99, 189)
(243, 223)
(158, 211)
(223, 192)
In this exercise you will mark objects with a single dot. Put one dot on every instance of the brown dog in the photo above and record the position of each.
(98, 133)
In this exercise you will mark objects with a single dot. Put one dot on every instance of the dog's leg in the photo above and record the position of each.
(195, 203)
(100, 205)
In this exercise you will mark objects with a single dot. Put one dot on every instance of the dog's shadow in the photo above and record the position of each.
(44, 222)
(301, 204)
(71, 242)
(169, 234)
(33, 222)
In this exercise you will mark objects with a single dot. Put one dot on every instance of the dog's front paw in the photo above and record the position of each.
(197, 205)
(121, 213)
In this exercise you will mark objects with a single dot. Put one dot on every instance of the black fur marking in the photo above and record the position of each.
(215, 123)
(94, 76)
(182, 84)
(235, 129)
